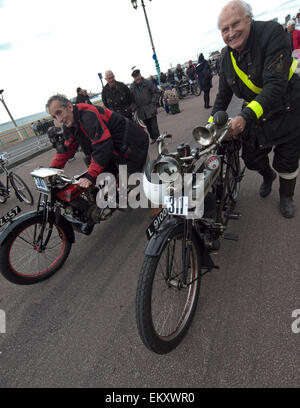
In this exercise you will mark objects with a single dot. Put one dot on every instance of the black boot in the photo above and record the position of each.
(269, 176)
(286, 192)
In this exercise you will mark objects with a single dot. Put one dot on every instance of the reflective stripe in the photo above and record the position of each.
(210, 119)
(257, 108)
(293, 68)
(244, 77)
(289, 176)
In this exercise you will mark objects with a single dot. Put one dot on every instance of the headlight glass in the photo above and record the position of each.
(167, 169)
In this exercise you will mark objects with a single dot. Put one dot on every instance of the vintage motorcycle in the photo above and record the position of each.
(35, 245)
(186, 87)
(180, 243)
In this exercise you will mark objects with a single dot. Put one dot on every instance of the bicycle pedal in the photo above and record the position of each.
(233, 216)
(231, 237)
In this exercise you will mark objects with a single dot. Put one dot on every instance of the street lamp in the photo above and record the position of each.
(7, 110)
(154, 56)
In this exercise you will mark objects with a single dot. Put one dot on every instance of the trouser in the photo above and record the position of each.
(206, 98)
(285, 161)
(152, 127)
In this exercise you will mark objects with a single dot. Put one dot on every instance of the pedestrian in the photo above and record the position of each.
(171, 100)
(257, 67)
(170, 77)
(191, 71)
(116, 96)
(145, 97)
(82, 96)
(290, 28)
(204, 75)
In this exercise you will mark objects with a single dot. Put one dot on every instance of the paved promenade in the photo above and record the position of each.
(78, 328)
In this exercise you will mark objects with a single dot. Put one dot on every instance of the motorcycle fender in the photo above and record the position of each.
(32, 214)
(157, 241)
(14, 223)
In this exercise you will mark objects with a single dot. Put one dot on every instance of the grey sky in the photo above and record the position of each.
(55, 46)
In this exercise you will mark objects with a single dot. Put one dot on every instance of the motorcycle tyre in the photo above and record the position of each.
(6, 269)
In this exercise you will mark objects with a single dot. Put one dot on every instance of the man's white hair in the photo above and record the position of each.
(246, 7)
(108, 72)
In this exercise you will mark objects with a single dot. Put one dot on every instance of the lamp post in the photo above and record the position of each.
(154, 56)
(7, 110)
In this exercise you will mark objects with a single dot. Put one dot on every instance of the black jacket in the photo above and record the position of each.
(101, 135)
(261, 78)
(145, 97)
(117, 98)
(204, 75)
(83, 99)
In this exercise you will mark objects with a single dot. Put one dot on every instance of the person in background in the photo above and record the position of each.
(163, 78)
(179, 73)
(191, 71)
(171, 100)
(257, 67)
(82, 96)
(204, 75)
(170, 77)
(116, 96)
(290, 28)
(145, 96)
(296, 39)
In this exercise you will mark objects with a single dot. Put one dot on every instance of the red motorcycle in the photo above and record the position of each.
(35, 245)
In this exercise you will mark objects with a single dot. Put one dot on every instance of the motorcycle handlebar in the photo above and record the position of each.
(199, 153)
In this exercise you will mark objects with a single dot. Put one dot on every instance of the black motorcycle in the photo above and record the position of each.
(178, 252)
(186, 87)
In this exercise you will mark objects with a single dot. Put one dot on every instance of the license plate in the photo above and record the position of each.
(40, 184)
(177, 205)
(10, 215)
(156, 223)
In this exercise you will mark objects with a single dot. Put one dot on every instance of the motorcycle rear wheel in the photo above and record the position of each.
(24, 261)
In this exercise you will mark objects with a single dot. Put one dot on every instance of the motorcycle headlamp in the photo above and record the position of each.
(167, 169)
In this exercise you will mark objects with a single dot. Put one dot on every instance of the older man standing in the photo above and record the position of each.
(257, 66)
(116, 96)
(145, 97)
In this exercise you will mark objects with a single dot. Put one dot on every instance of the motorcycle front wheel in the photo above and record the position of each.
(34, 251)
(165, 306)
(196, 90)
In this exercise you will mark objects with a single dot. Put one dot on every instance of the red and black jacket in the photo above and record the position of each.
(99, 132)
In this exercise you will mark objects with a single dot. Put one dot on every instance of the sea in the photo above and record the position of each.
(23, 121)
(31, 118)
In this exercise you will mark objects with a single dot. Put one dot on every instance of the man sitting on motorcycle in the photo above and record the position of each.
(179, 73)
(105, 137)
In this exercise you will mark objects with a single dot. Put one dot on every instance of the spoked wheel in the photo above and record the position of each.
(33, 252)
(233, 177)
(196, 90)
(21, 189)
(3, 197)
(165, 305)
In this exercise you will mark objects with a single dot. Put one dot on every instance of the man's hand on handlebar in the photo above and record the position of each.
(237, 125)
(84, 182)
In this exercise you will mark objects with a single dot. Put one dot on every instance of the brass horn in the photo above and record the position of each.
(204, 135)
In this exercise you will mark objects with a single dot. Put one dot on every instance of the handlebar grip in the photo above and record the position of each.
(220, 118)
